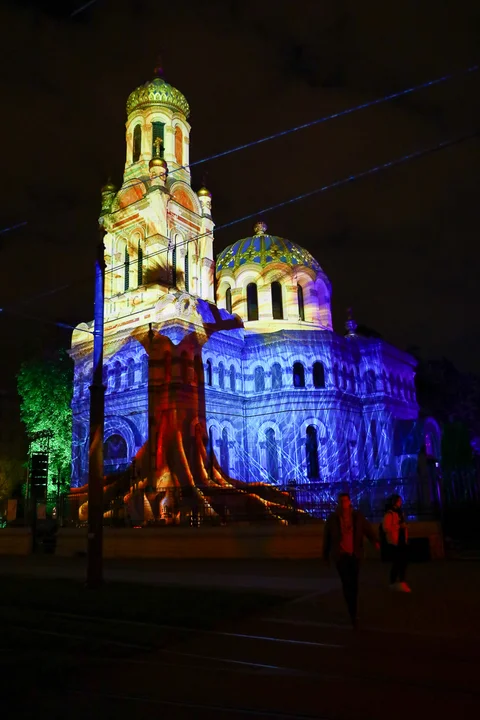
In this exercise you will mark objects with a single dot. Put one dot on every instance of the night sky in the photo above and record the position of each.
(401, 248)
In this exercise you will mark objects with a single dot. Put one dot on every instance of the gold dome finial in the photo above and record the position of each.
(109, 187)
(108, 195)
(260, 228)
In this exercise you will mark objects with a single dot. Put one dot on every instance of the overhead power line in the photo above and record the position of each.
(82, 8)
(13, 227)
(357, 176)
(339, 114)
(338, 183)
(304, 126)
(321, 120)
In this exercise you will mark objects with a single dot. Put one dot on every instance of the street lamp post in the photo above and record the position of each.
(97, 414)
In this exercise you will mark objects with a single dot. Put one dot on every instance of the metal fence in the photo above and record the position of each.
(255, 503)
(450, 499)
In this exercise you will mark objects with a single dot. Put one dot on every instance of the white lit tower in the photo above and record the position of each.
(159, 231)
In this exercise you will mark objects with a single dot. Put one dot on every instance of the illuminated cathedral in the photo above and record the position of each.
(225, 371)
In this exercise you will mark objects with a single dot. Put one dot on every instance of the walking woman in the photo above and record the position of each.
(396, 532)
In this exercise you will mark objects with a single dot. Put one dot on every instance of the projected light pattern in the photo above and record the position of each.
(278, 427)
(210, 406)
(126, 410)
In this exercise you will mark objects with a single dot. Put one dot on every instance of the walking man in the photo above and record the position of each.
(343, 541)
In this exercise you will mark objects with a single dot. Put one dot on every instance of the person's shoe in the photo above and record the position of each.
(403, 587)
(355, 623)
(394, 586)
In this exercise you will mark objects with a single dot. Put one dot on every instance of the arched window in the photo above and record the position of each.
(221, 376)
(145, 368)
(311, 448)
(187, 279)
(277, 304)
(301, 304)
(228, 299)
(276, 376)
(117, 376)
(271, 454)
(224, 452)
(370, 382)
(178, 145)
(137, 143)
(115, 448)
(351, 435)
(140, 265)
(252, 301)
(184, 367)
(233, 383)
(157, 132)
(298, 375)
(126, 281)
(259, 379)
(130, 373)
(174, 262)
(318, 372)
(209, 373)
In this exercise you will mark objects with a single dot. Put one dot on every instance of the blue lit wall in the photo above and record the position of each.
(263, 420)
(272, 422)
(126, 410)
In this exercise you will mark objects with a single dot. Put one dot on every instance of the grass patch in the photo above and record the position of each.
(191, 607)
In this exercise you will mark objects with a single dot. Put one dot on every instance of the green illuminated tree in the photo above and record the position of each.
(45, 388)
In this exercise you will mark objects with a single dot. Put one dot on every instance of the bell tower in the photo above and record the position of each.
(159, 231)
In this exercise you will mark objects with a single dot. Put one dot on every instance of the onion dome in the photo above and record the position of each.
(203, 192)
(109, 187)
(158, 92)
(158, 162)
(263, 249)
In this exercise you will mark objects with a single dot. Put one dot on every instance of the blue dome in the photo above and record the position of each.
(264, 249)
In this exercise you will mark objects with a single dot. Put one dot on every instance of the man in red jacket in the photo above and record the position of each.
(343, 540)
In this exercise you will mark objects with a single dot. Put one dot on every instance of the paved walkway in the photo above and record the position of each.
(266, 576)
(445, 598)
(417, 655)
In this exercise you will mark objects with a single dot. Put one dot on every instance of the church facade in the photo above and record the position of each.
(224, 371)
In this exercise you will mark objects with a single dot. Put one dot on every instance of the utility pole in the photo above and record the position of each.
(97, 414)
(151, 440)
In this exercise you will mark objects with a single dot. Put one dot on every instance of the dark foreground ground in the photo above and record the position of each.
(236, 640)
